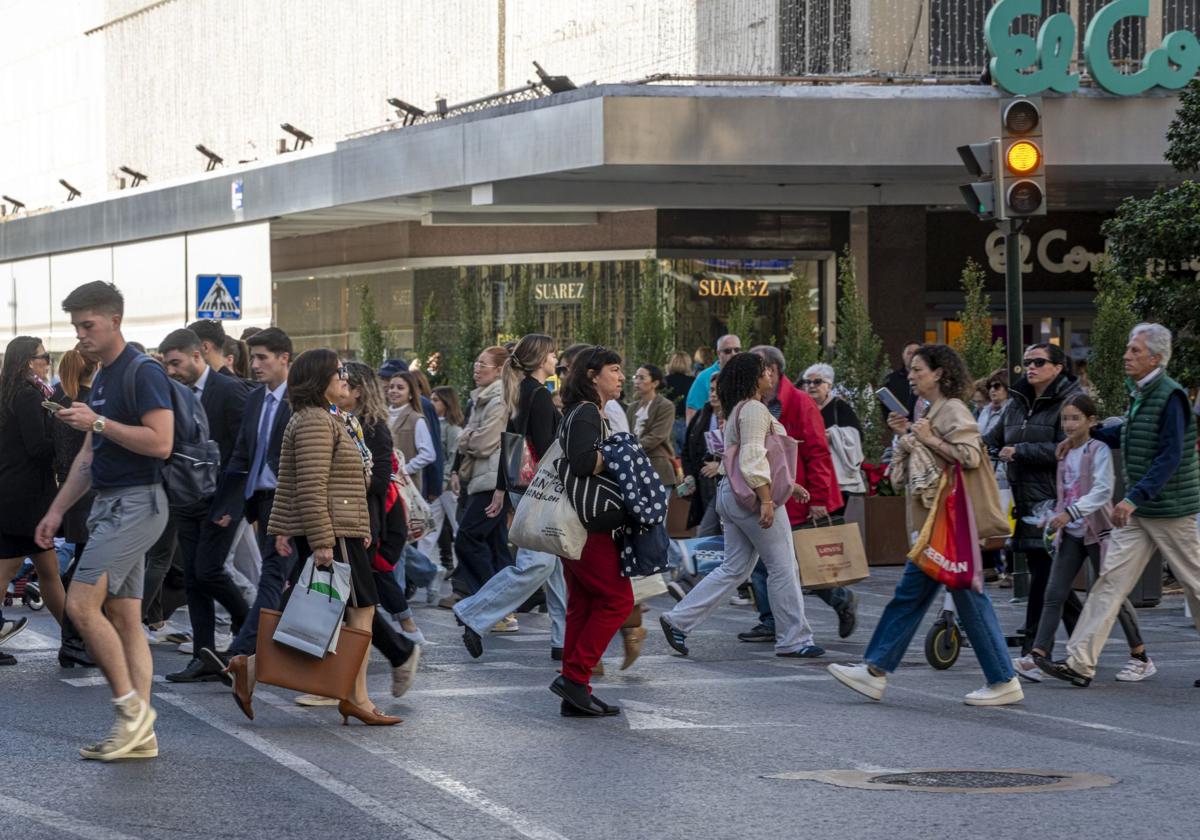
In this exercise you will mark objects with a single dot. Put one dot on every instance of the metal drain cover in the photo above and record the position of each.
(953, 781)
(966, 779)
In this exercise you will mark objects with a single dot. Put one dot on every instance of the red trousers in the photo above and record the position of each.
(599, 599)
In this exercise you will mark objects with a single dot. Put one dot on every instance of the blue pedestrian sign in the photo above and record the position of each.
(219, 296)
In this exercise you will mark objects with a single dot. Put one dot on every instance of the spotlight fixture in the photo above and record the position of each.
(16, 205)
(137, 177)
(214, 159)
(554, 84)
(72, 193)
(407, 113)
(302, 138)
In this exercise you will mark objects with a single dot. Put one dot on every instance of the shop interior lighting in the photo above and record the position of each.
(214, 159)
(408, 114)
(72, 193)
(303, 138)
(1023, 157)
(137, 177)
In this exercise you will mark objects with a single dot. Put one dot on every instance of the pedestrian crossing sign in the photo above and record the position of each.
(219, 296)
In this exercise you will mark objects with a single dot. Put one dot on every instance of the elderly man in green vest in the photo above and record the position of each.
(1158, 456)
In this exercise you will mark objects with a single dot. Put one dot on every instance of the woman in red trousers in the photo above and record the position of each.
(599, 598)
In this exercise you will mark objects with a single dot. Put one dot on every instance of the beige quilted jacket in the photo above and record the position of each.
(322, 491)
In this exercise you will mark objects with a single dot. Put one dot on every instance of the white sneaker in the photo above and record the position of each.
(186, 647)
(8, 629)
(739, 601)
(859, 678)
(1028, 669)
(996, 694)
(1136, 670)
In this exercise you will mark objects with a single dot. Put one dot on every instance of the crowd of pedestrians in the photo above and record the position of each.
(322, 463)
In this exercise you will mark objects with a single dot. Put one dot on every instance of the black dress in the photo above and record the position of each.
(27, 485)
(67, 443)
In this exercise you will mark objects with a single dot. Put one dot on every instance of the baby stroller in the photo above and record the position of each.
(24, 588)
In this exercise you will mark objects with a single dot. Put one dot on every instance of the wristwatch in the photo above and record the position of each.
(98, 425)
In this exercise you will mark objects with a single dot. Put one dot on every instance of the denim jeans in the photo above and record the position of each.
(511, 587)
(902, 616)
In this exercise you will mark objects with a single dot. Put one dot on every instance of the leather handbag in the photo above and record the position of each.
(517, 458)
(332, 676)
(781, 456)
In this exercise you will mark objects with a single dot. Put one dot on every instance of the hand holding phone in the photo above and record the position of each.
(52, 406)
(890, 401)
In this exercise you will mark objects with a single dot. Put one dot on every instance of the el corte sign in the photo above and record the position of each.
(1025, 67)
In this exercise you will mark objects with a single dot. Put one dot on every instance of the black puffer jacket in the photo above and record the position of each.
(1032, 425)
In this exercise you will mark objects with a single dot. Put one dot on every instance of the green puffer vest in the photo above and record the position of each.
(1180, 496)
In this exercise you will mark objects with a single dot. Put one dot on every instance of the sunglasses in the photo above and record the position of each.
(992, 386)
(44, 357)
(729, 351)
(1037, 363)
(812, 383)
(341, 372)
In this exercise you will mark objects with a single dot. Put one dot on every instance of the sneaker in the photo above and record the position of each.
(1136, 670)
(758, 633)
(414, 636)
(185, 647)
(311, 700)
(859, 678)
(996, 694)
(11, 628)
(508, 624)
(848, 617)
(403, 675)
(177, 637)
(739, 600)
(675, 638)
(806, 652)
(135, 720)
(473, 642)
(146, 749)
(1027, 669)
(434, 590)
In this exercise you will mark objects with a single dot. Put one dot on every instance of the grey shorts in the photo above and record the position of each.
(124, 523)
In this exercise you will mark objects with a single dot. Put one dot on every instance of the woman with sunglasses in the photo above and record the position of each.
(842, 429)
(1024, 441)
(27, 485)
(482, 541)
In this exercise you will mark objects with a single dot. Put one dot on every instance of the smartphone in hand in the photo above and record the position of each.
(52, 406)
(890, 402)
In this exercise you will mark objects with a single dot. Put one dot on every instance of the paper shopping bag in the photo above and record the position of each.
(947, 549)
(831, 556)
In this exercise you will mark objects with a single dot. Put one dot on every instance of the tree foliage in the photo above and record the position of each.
(652, 333)
(981, 354)
(523, 315)
(470, 336)
(593, 317)
(427, 341)
(371, 340)
(858, 360)
(802, 338)
(1115, 317)
(743, 315)
(1154, 244)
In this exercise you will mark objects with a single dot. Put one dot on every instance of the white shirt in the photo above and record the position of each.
(616, 416)
(267, 479)
(198, 387)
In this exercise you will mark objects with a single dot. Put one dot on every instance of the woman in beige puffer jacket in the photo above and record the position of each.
(482, 540)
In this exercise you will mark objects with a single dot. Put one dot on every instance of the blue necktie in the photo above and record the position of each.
(260, 447)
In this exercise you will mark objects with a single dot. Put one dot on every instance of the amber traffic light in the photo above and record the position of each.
(1022, 147)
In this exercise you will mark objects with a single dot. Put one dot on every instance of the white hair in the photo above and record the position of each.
(822, 370)
(1157, 339)
(730, 335)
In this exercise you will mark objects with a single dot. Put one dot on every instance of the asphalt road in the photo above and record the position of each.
(484, 755)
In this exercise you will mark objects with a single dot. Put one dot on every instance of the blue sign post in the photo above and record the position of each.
(219, 296)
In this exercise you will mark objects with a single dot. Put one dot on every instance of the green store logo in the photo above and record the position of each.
(1025, 67)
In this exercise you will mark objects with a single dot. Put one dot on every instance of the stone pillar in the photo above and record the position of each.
(896, 276)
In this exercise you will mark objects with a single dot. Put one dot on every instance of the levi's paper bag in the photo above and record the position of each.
(831, 556)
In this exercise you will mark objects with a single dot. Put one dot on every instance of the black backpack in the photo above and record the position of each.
(193, 469)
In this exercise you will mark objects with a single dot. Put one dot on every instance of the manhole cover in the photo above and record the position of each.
(953, 781)
(966, 779)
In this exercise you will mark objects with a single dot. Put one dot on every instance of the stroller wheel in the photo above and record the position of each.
(943, 643)
(32, 597)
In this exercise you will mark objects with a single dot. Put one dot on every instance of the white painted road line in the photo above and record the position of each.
(387, 815)
(56, 820)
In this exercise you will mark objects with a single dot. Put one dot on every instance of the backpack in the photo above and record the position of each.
(192, 470)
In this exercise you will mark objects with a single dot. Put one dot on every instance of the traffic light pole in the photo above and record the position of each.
(1014, 315)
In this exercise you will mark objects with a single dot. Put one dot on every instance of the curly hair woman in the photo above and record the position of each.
(945, 434)
(749, 534)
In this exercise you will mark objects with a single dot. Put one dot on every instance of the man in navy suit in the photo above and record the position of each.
(248, 486)
(203, 543)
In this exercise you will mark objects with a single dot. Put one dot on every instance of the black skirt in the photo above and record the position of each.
(16, 546)
(361, 578)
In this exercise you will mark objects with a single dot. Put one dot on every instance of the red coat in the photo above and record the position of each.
(801, 419)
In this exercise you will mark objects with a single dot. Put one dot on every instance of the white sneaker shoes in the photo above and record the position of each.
(996, 694)
(1028, 669)
(1136, 670)
(859, 678)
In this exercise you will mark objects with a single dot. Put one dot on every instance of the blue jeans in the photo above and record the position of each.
(512, 586)
(679, 434)
(838, 597)
(902, 616)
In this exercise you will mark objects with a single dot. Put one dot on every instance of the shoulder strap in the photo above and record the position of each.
(131, 380)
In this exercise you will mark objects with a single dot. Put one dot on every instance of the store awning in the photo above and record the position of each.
(622, 147)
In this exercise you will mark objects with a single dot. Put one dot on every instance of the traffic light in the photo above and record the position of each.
(1024, 163)
(982, 161)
